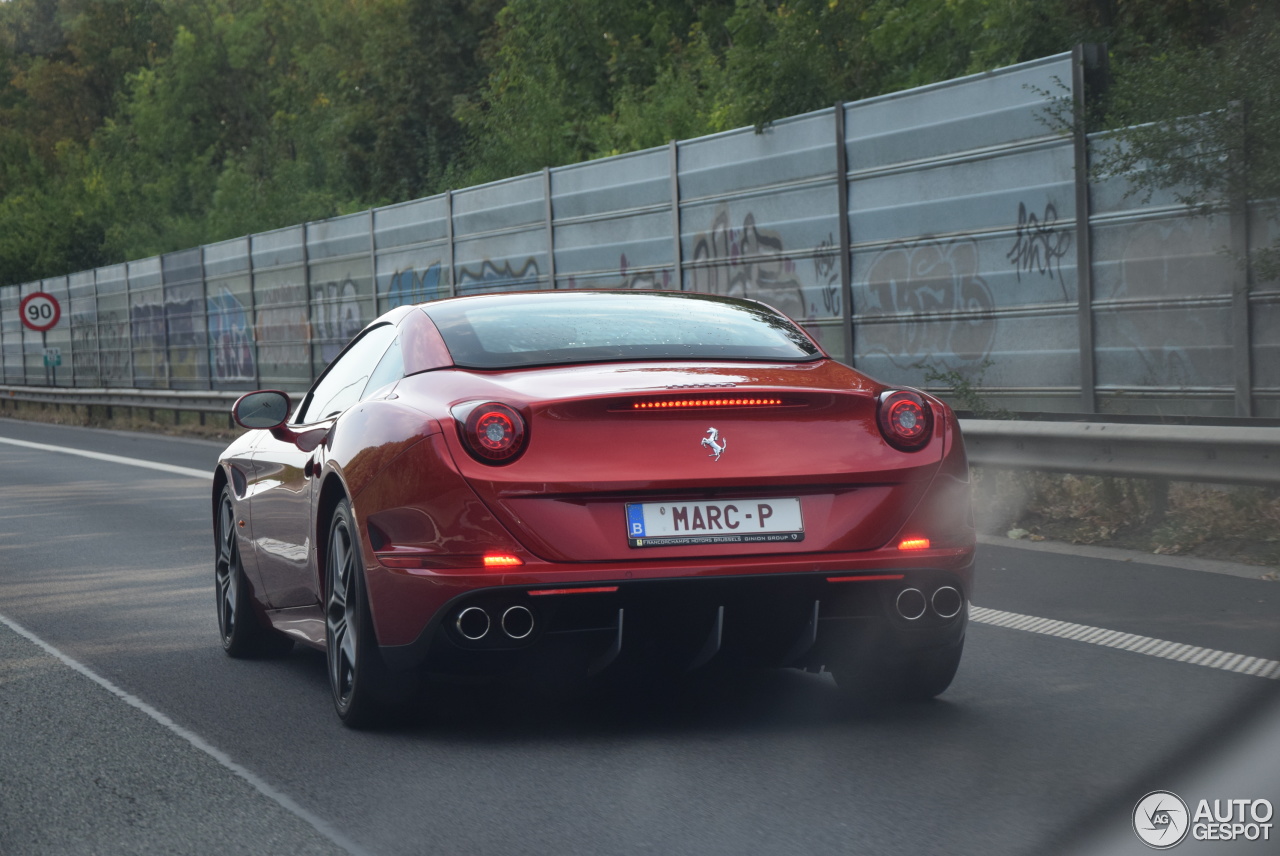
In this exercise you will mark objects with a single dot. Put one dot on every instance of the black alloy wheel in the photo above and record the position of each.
(357, 675)
(243, 634)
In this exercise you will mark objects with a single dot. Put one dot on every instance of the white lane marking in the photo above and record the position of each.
(115, 459)
(194, 739)
(1190, 654)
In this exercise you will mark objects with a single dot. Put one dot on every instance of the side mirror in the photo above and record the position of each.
(268, 410)
(265, 409)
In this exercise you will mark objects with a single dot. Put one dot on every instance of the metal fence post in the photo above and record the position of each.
(311, 320)
(549, 218)
(253, 314)
(846, 239)
(373, 262)
(128, 309)
(1092, 56)
(1241, 321)
(204, 310)
(448, 228)
(97, 327)
(673, 148)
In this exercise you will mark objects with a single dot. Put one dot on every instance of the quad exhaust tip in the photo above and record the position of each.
(911, 603)
(473, 623)
(517, 622)
(947, 602)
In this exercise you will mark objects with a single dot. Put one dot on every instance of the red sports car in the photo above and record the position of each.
(593, 480)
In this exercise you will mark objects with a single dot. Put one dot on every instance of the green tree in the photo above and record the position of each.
(133, 127)
(1204, 121)
(386, 76)
(562, 69)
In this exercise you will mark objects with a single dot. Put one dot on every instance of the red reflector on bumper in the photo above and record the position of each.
(593, 590)
(407, 562)
(862, 578)
(913, 544)
(502, 561)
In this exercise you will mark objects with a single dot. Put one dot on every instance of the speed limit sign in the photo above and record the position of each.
(40, 311)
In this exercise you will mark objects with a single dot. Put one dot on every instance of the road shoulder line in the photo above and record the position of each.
(114, 459)
(1191, 654)
(193, 739)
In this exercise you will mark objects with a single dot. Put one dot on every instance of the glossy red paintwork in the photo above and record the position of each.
(432, 511)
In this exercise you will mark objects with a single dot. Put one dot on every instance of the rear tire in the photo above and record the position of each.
(363, 688)
(243, 633)
(912, 677)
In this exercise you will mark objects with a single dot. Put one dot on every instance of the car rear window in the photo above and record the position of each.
(514, 330)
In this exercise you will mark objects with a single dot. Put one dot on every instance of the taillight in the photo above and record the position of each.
(906, 419)
(494, 433)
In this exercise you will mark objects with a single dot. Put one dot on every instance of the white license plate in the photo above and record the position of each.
(732, 521)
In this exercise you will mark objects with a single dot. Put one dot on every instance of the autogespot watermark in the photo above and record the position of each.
(1162, 820)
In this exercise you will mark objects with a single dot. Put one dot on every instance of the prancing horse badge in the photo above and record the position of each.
(713, 442)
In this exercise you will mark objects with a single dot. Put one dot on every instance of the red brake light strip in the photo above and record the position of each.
(670, 404)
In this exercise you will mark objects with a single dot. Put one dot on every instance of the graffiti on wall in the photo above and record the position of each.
(114, 347)
(146, 331)
(1039, 246)
(826, 268)
(926, 302)
(746, 262)
(411, 285)
(491, 277)
(230, 339)
(647, 280)
(184, 322)
(167, 339)
(337, 316)
(750, 271)
(283, 326)
(84, 347)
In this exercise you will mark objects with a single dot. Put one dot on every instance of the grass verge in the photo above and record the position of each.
(1225, 522)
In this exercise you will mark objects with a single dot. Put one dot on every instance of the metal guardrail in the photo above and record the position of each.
(1222, 455)
(1217, 454)
(198, 400)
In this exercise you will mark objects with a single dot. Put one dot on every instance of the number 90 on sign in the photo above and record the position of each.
(40, 311)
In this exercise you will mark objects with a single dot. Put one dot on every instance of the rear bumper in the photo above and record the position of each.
(805, 619)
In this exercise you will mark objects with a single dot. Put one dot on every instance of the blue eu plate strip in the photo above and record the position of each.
(635, 521)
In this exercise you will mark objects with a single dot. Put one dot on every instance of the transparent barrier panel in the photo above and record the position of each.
(185, 324)
(412, 276)
(410, 223)
(115, 350)
(342, 302)
(82, 318)
(282, 327)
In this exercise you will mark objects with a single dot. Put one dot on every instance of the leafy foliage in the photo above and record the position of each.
(1204, 121)
(134, 127)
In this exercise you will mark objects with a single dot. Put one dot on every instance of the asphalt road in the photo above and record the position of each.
(124, 729)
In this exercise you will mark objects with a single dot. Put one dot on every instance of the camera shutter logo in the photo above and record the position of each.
(1160, 820)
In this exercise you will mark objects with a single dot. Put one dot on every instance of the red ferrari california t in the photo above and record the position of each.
(594, 481)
